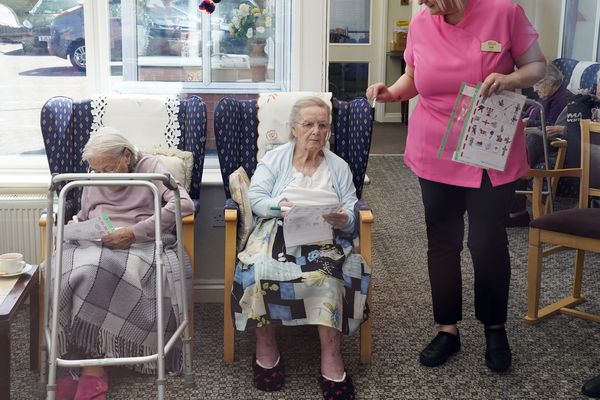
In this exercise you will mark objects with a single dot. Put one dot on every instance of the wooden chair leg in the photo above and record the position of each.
(534, 276)
(230, 255)
(578, 276)
(365, 342)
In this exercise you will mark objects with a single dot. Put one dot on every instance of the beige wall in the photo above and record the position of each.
(545, 15)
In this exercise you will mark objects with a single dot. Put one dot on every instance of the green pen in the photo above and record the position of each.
(281, 208)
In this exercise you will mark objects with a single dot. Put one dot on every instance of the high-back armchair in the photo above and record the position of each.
(572, 229)
(161, 125)
(66, 126)
(236, 130)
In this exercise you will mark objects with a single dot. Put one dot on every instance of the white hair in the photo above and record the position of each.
(306, 102)
(107, 140)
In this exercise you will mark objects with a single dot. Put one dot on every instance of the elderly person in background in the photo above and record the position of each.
(107, 299)
(320, 283)
(554, 97)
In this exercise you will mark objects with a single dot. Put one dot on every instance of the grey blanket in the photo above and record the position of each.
(107, 304)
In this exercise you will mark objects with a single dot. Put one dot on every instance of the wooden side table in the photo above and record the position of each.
(26, 285)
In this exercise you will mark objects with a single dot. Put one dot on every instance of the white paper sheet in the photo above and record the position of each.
(305, 224)
(92, 229)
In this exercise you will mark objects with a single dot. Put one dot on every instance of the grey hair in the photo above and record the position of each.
(305, 102)
(460, 4)
(553, 75)
(109, 141)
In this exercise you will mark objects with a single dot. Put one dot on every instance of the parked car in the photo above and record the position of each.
(38, 22)
(11, 30)
(167, 30)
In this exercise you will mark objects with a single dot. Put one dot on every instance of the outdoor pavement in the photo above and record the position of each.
(26, 83)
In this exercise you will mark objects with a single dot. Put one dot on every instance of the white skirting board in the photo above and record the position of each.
(19, 230)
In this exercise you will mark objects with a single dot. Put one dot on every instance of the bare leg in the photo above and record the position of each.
(93, 371)
(267, 352)
(332, 365)
(448, 328)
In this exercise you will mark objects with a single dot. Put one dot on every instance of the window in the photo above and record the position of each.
(29, 78)
(244, 42)
(581, 23)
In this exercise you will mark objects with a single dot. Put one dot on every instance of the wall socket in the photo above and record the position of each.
(404, 2)
(218, 217)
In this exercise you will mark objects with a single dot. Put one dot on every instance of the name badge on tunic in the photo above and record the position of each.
(491, 46)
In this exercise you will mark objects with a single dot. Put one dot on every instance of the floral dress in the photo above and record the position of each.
(322, 283)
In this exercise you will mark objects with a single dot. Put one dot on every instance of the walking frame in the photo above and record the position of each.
(51, 334)
(551, 182)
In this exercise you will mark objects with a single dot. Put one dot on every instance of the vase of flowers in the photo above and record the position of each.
(255, 24)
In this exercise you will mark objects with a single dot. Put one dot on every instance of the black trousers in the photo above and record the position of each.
(486, 208)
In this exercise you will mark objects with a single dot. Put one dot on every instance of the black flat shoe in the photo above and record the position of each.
(497, 352)
(271, 379)
(440, 349)
(592, 387)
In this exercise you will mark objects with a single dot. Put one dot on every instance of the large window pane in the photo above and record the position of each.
(349, 21)
(580, 29)
(28, 79)
(348, 80)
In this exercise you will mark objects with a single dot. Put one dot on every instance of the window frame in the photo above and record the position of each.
(306, 67)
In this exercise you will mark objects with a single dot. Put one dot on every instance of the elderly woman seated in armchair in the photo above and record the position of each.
(107, 299)
(321, 283)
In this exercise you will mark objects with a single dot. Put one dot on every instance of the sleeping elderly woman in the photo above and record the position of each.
(107, 299)
(319, 283)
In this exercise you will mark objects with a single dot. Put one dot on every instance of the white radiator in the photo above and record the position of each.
(19, 229)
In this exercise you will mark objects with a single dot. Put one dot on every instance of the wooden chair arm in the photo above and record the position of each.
(366, 222)
(231, 218)
(188, 236)
(559, 144)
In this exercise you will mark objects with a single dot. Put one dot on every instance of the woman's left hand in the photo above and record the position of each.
(495, 83)
(120, 239)
(337, 219)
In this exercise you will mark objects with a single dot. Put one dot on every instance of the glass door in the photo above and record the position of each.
(581, 24)
(355, 46)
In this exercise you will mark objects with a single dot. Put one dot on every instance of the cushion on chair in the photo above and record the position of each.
(584, 222)
(178, 162)
(274, 115)
(238, 185)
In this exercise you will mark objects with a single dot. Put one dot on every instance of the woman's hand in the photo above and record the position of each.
(337, 219)
(381, 92)
(495, 83)
(285, 204)
(554, 130)
(120, 239)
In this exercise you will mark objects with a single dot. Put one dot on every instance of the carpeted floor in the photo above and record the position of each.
(551, 360)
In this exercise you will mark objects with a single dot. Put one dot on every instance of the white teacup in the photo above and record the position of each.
(11, 263)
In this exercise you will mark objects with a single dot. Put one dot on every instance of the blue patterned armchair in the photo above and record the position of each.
(236, 131)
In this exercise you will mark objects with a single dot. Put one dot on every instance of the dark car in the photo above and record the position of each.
(167, 30)
(11, 30)
(38, 22)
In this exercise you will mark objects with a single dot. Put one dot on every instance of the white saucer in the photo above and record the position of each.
(26, 268)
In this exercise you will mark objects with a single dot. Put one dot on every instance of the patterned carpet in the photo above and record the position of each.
(551, 360)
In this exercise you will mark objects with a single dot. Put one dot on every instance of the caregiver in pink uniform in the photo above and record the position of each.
(450, 42)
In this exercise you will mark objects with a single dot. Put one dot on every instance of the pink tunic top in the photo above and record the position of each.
(443, 56)
(134, 205)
